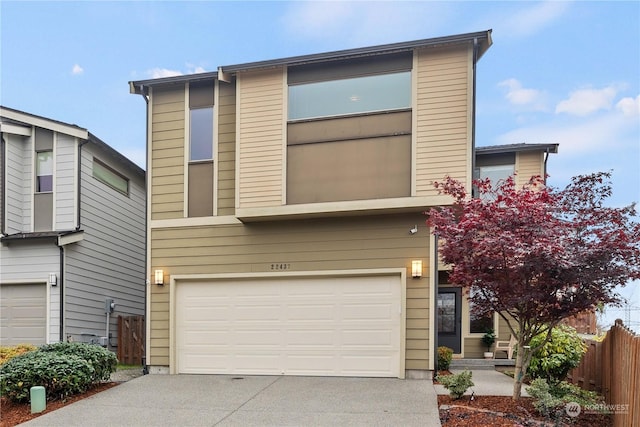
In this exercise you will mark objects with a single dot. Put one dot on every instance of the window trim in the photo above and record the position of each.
(35, 169)
(212, 158)
(112, 171)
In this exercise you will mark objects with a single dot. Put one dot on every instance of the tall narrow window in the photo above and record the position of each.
(201, 134)
(201, 151)
(44, 171)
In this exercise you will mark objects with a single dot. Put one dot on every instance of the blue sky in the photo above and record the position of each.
(563, 72)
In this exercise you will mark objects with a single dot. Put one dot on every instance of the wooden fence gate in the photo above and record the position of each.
(130, 339)
(612, 368)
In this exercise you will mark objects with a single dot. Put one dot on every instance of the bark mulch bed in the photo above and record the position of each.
(498, 411)
(12, 414)
(493, 411)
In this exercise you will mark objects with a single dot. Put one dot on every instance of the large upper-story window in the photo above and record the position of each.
(350, 96)
(44, 171)
(349, 129)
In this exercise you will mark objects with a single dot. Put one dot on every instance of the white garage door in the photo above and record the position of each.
(23, 314)
(303, 326)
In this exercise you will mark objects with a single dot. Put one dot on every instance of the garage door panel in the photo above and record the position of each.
(306, 326)
(23, 311)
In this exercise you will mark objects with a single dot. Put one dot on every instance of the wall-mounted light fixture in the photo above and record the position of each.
(159, 277)
(53, 279)
(416, 268)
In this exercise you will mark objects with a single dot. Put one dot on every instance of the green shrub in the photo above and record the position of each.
(9, 352)
(61, 375)
(557, 357)
(457, 384)
(551, 400)
(103, 361)
(445, 354)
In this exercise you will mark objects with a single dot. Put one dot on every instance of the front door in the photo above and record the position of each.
(450, 318)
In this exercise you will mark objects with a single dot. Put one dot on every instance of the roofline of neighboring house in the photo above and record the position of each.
(17, 116)
(20, 117)
(511, 148)
(483, 38)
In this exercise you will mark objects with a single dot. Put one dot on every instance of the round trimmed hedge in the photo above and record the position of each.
(63, 369)
(103, 361)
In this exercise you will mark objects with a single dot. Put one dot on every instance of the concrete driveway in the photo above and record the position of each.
(215, 400)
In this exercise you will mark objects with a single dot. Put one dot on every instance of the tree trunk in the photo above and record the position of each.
(523, 357)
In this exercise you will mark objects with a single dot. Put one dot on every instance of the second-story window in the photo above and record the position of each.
(201, 148)
(44, 171)
(385, 92)
(108, 176)
(201, 134)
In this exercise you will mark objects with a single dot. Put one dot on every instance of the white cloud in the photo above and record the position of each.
(630, 107)
(195, 69)
(157, 73)
(358, 23)
(77, 70)
(603, 132)
(518, 95)
(534, 18)
(587, 101)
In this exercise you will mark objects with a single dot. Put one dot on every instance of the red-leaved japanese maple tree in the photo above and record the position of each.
(536, 255)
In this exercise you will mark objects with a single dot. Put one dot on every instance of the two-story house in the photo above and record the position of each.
(286, 232)
(72, 218)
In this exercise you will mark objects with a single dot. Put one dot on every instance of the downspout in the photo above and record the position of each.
(546, 157)
(145, 367)
(436, 284)
(473, 106)
(79, 185)
(4, 185)
(61, 287)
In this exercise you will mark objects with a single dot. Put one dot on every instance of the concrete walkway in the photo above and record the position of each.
(215, 400)
(487, 383)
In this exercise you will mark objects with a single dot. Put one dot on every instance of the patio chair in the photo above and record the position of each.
(506, 346)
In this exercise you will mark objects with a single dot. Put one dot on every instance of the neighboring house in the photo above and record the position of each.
(72, 233)
(286, 232)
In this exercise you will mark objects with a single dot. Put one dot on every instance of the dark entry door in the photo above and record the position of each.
(450, 318)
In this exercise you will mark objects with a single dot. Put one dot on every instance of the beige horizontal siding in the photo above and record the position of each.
(307, 245)
(261, 98)
(528, 164)
(167, 153)
(443, 117)
(226, 149)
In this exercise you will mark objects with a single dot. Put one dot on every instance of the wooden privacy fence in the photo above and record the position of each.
(612, 368)
(130, 339)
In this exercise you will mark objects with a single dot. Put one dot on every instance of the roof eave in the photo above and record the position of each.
(510, 148)
(484, 38)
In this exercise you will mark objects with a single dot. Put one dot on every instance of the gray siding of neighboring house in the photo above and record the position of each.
(31, 262)
(110, 261)
(65, 188)
(19, 188)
